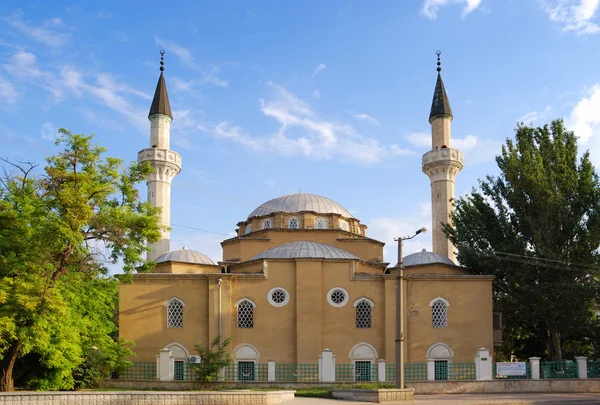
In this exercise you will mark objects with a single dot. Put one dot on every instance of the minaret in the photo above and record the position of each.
(166, 163)
(441, 164)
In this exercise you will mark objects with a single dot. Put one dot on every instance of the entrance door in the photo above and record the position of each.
(362, 371)
(245, 370)
(441, 369)
(179, 371)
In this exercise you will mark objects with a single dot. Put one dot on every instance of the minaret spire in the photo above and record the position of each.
(440, 106)
(166, 163)
(441, 164)
(160, 103)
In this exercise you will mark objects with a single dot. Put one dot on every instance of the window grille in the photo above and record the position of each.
(363, 315)
(267, 224)
(338, 296)
(321, 223)
(175, 314)
(245, 315)
(248, 228)
(278, 296)
(440, 369)
(246, 371)
(439, 314)
(293, 223)
(362, 370)
(179, 370)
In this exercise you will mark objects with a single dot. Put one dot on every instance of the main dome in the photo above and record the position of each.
(305, 249)
(300, 202)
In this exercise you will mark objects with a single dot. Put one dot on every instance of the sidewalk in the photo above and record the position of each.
(475, 399)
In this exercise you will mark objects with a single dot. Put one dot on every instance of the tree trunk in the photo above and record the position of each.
(556, 349)
(7, 383)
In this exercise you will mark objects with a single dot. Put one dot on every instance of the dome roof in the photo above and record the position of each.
(304, 249)
(425, 257)
(300, 202)
(184, 255)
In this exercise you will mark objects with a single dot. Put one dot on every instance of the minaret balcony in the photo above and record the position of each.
(156, 155)
(448, 160)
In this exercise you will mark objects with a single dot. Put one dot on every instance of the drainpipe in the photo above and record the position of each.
(219, 281)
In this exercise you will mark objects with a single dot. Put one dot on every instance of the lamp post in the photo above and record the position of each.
(400, 311)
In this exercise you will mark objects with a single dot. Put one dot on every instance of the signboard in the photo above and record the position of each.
(511, 369)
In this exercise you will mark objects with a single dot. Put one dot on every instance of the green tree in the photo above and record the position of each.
(536, 227)
(213, 358)
(53, 302)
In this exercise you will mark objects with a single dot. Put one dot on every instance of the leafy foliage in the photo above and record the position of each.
(55, 301)
(214, 357)
(536, 227)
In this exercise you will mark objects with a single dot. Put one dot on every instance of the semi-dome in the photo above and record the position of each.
(425, 257)
(304, 249)
(184, 255)
(300, 202)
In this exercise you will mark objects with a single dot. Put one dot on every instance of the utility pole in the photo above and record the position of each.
(400, 311)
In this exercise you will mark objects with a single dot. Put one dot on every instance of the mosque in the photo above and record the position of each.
(302, 275)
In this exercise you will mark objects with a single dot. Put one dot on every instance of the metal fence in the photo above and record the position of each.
(593, 368)
(559, 369)
(412, 372)
(356, 372)
(246, 371)
(296, 372)
(141, 370)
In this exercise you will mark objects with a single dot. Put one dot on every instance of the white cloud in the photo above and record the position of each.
(209, 74)
(585, 122)
(316, 94)
(8, 94)
(431, 7)
(302, 133)
(386, 229)
(534, 116)
(49, 132)
(321, 67)
(43, 34)
(475, 150)
(367, 118)
(119, 36)
(573, 15)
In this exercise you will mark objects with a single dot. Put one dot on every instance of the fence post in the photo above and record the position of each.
(483, 365)
(271, 370)
(326, 366)
(381, 370)
(582, 366)
(166, 363)
(430, 370)
(534, 363)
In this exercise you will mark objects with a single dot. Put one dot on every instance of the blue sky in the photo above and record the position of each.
(270, 97)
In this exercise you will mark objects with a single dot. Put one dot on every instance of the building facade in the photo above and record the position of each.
(301, 275)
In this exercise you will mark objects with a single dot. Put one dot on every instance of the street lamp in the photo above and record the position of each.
(400, 311)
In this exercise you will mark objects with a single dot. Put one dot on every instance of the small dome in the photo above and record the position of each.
(301, 202)
(305, 249)
(184, 255)
(425, 257)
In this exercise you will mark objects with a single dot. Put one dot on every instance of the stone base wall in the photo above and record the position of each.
(146, 398)
(504, 386)
(383, 395)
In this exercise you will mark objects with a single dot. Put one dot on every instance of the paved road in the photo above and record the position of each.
(475, 399)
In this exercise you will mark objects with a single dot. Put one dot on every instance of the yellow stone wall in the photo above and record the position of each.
(297, 332)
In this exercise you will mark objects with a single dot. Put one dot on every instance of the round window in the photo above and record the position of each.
(337, 297)
(278, 297)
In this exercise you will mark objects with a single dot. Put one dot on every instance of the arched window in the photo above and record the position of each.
(344, 225)
(439, 312)
(321, 223)
(293, 223)
(174, 313)
(267, 224)
(363, 313)
(245, 314)
(248, 228)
